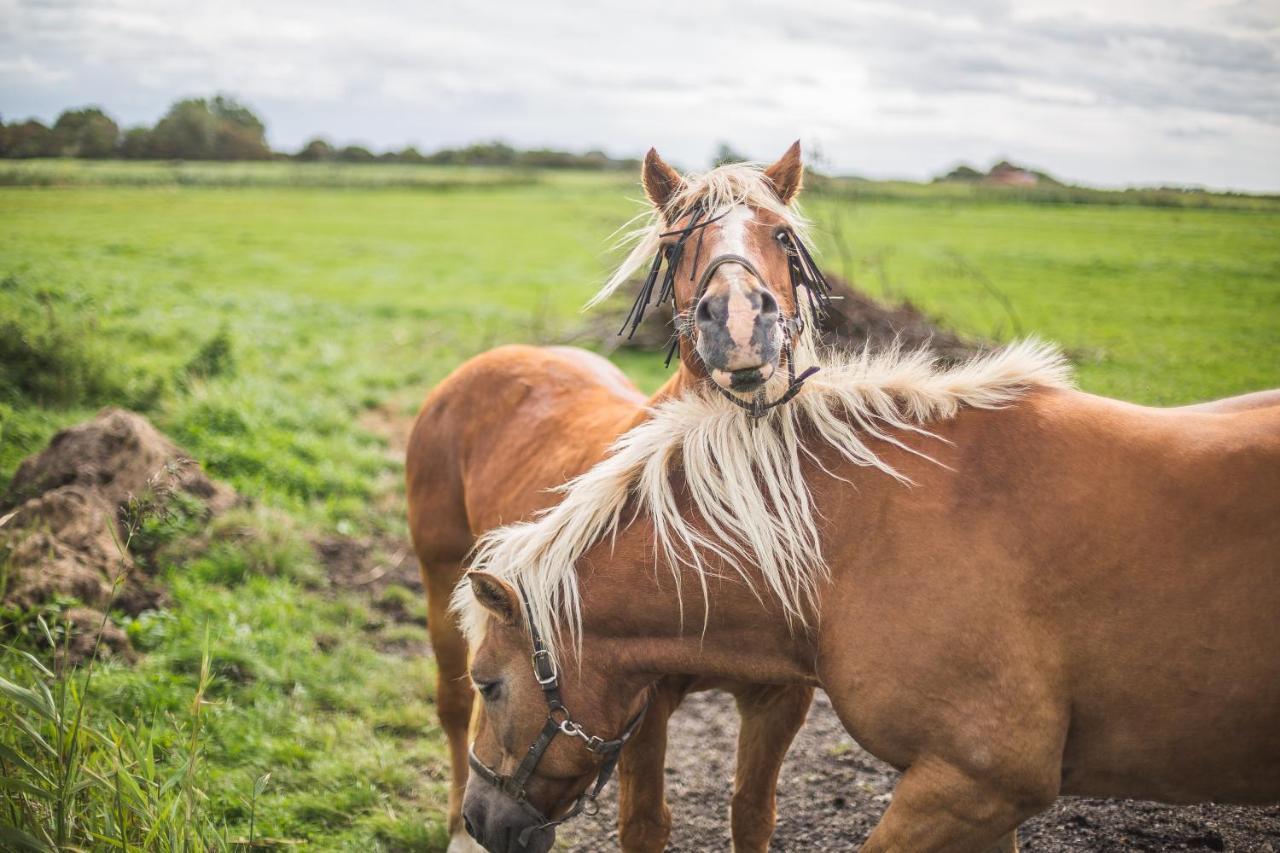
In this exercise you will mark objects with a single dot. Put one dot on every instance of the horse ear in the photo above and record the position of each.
(496, 596)
(787, 174)
(661, 182)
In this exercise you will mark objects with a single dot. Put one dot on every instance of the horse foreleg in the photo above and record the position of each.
(454, 694)
(644, 819)
(771, 716)
(1007, 844)
(937, 807)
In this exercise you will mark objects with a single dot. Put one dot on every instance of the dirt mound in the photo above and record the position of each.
(71, 509)
(855, 320)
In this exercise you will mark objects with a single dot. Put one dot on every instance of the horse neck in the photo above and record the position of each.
(633, 624)
(680, 383)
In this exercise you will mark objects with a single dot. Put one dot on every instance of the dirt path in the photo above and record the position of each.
(832, 793)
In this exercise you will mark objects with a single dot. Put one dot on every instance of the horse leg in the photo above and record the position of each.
(644, 819)
(454, 694)
(1007, 844)
(771, 716)
(938, 807)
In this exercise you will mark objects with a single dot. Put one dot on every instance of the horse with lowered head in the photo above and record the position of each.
(495, 439)
(1010, 589)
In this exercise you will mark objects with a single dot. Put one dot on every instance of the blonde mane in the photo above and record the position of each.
(717, 191)
(745, 482)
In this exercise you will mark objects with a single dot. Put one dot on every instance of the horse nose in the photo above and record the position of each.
(768, 306)
(711, 309)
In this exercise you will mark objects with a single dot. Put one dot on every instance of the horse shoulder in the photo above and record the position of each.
(511, 424)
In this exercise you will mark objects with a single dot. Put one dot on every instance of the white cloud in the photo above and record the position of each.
(1105, 91)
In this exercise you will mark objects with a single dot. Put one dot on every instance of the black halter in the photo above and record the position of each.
(802, 270)
(558, 722)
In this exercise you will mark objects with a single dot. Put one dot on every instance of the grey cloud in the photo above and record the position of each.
(879, 82)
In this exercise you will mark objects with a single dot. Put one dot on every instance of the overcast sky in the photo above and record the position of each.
(1107, 92)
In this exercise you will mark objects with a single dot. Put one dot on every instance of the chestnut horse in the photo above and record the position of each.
(496, 437)
(1024, 591)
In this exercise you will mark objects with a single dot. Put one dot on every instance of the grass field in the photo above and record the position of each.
(254, 319)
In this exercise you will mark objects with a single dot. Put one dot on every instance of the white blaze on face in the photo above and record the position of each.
(741, 319)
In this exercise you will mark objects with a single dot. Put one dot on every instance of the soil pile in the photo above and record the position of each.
(70, 512)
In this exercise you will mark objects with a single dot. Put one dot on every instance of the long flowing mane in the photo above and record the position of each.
(716, 191)
(746, 482)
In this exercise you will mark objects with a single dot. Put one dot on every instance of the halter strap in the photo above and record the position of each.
(544, 672)
(802, 271)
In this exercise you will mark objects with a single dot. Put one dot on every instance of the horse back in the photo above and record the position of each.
(1104, 575)
(500, 431)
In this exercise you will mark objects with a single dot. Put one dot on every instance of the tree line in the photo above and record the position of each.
(222, 128)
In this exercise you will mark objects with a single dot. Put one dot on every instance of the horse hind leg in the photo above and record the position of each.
(939, 807)
(644, 818)
(771, 717)
(454, 694)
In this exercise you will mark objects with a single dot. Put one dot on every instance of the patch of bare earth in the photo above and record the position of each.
(382, 566)
(68, 517)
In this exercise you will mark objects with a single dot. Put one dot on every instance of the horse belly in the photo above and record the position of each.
(1181, 716)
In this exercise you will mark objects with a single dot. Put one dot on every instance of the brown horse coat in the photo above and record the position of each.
(1076, 595)
(490, 444)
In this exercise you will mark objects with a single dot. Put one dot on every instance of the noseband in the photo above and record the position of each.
(802, 270)
(558, 722)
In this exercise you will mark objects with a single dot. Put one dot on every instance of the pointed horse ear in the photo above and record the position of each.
(661, 182)
(787, 174)
(496, 596)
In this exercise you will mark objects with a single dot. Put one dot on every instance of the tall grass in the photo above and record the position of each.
(75, 777)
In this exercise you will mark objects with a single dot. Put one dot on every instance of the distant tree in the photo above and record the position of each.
(241, 134)
(235, 142)
(135, 143)
(233, 112)
(355, 154)
(726, 154)
(188, 131)
(30, 139)
(411, 155)
(962, 173)
(317, 150)
(479, 154)
(86, 132)
(200, 129)
(595, 160)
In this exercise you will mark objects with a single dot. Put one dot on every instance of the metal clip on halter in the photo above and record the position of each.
(559, 721)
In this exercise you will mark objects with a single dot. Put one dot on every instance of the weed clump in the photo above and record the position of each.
(214, 358)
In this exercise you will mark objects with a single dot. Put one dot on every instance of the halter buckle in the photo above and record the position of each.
(545, 656)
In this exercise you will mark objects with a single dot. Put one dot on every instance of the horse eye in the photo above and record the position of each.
(489, 689)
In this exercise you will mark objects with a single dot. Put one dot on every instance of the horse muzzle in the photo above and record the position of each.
(499, 824)
(740, 351)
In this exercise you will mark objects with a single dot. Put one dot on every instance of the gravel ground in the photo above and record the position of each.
(832, 793)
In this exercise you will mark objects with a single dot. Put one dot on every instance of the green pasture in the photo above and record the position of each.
(254, 311)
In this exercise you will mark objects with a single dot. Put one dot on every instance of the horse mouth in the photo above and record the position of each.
(744, 380)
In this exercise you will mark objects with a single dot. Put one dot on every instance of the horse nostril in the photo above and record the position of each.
(703, 312)
(470, 828)
(768, 305)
